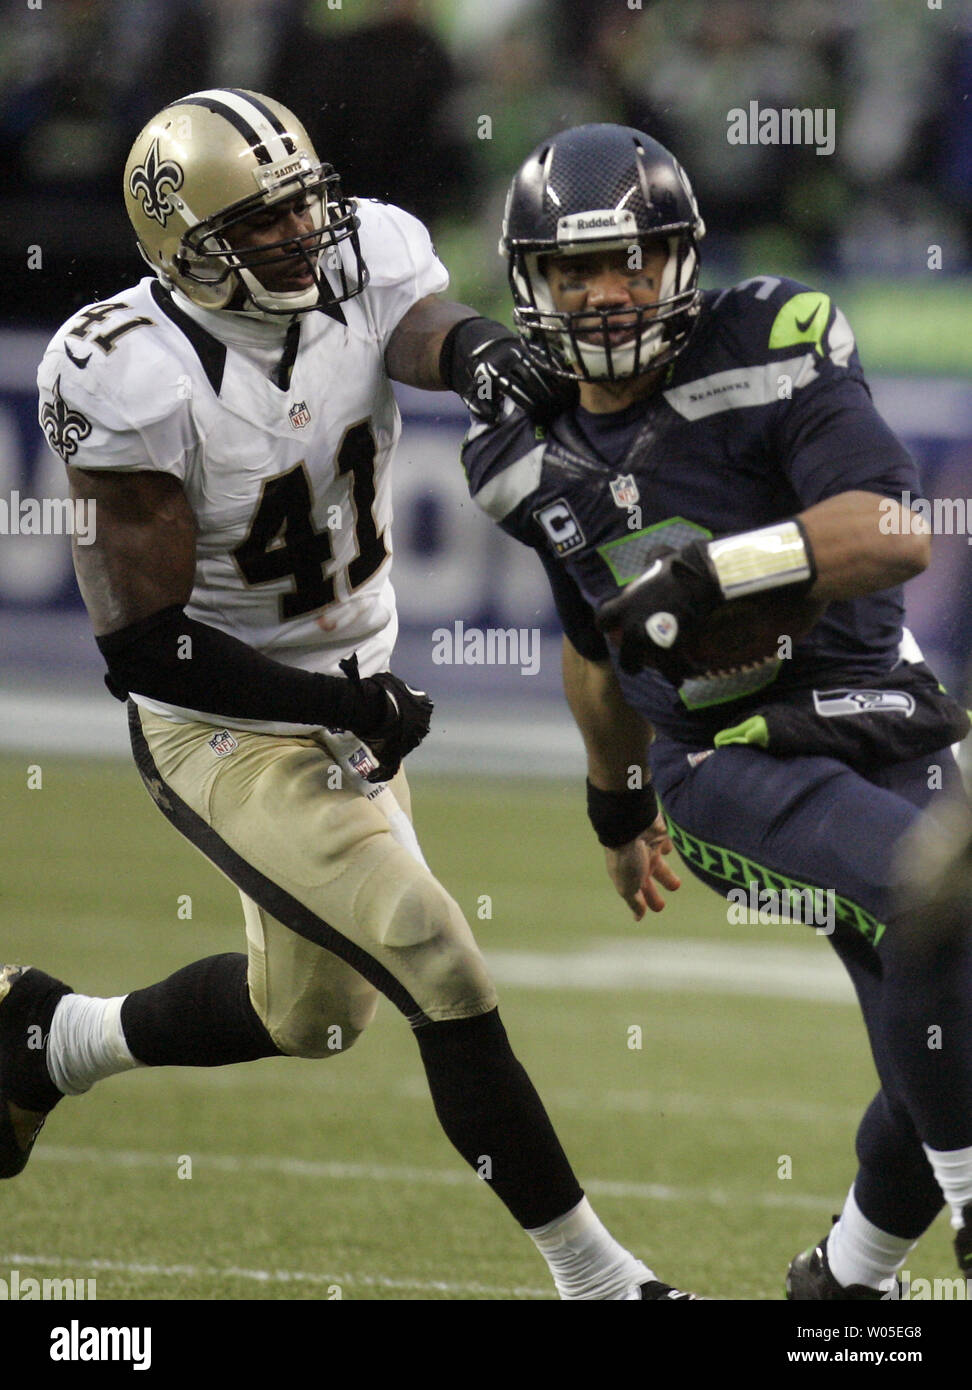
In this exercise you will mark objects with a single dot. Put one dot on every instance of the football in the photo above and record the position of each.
(746, 631)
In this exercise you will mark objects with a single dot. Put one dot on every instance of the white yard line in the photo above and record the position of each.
(643, 1101)
(141, 1269)
(809, 972)
(466, 738)
(430, 1177)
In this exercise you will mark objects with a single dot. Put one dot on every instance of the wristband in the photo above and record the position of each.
(460, 343)
(770, 558)
(454, 355)
(619, 817)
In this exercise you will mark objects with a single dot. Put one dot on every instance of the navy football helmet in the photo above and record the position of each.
(602, 188)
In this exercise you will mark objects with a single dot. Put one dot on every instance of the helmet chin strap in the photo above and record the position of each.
(267, 305)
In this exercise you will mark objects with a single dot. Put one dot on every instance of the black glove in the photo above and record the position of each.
(656, 615)
(393, 720)
(483, 362)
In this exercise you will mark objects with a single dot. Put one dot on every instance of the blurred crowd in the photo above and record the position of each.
(432, 104)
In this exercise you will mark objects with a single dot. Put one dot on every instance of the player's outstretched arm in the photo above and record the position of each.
(136, 578)
(415, 348)
(620, 801)
(443, 346)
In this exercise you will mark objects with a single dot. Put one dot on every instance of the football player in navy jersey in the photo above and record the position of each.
(718, 518)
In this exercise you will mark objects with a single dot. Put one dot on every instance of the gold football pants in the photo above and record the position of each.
(336, 911)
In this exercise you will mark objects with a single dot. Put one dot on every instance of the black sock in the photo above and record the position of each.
(199, 1017)
(490, 1111)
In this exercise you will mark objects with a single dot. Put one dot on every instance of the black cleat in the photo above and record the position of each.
(809, 1278)
(657, 1292)
(28, 999)
(963, 1242)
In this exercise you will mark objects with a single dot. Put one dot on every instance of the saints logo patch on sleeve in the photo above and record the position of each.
(64, 427)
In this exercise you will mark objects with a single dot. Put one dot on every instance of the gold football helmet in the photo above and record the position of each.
(212, 159)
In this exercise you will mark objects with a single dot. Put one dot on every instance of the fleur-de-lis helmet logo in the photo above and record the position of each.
(64, 427)
(149, 180)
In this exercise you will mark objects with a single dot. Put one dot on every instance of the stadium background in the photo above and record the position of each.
(433, 105)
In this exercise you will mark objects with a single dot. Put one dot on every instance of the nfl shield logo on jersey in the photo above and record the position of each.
(223, 743)
(624, 490)
(299, 415)
(362, 762)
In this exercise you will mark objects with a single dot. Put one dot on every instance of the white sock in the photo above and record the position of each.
(953, 1169)
(585, 1259)
(86, 1043)
(859, 1252)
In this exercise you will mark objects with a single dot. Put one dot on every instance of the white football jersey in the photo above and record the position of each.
(288, 483)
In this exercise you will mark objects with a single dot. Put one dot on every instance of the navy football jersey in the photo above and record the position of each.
(765, 413)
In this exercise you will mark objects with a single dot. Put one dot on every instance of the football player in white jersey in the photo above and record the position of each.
(232, 419)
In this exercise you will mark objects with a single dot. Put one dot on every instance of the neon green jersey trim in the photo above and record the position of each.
(752, 730)
(626, 573)
(737, 871)
(803, 319)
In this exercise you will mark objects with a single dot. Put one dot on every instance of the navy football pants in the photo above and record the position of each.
(741, 815)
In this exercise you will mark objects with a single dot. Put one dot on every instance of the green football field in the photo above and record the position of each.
(716, 1149)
